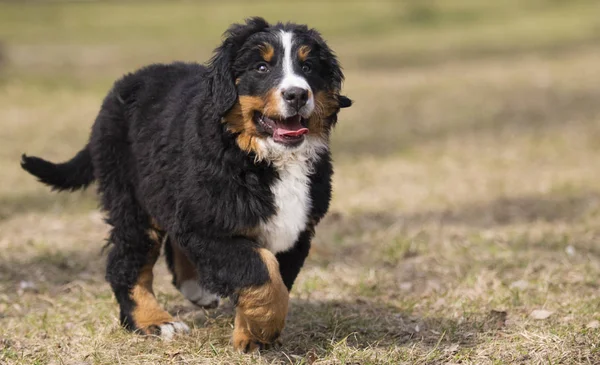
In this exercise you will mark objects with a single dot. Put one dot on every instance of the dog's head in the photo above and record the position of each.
(276, 87)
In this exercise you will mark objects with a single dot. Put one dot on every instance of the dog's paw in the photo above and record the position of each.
(168, 330)
(246, 343)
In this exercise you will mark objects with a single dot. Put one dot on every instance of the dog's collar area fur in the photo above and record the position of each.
(280, 156)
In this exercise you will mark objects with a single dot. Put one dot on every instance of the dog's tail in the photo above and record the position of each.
(77, 173)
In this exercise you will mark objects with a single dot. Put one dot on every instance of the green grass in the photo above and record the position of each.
(466, 186)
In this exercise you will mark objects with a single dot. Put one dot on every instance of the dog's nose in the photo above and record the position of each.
(295, 97)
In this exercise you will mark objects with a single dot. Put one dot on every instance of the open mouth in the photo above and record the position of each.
(289, 131)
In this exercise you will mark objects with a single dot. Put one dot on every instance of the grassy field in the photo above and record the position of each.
(465, 224)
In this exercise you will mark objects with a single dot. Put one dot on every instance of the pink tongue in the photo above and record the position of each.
(290, 133)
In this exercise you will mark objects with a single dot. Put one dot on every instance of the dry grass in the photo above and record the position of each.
(466, 189)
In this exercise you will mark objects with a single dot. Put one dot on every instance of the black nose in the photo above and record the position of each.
(295, 97)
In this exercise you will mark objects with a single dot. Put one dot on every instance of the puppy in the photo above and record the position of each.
(227, 165)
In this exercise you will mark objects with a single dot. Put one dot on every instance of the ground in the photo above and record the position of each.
(466, 214)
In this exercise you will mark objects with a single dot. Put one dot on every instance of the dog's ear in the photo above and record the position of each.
(345, 102)
(224, 93)
(328, 58)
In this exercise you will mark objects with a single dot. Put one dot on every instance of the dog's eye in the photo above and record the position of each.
(306, 68)
(262, 67)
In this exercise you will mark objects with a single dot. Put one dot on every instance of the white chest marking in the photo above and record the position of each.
(292, 202)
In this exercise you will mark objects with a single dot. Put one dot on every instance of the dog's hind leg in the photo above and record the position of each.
(185, 277)
(135, 242)
(129, 272)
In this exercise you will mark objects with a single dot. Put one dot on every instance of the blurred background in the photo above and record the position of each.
(466, 212)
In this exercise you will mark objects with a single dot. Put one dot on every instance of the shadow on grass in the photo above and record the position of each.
(314, 327)
(58, 266)
(317, 328)
(378, 237)
(46, 201)
(49, 269)
(319, 325)
(500, 212)
(519, 210)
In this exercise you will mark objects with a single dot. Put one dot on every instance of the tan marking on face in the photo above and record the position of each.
(240, 121)
(326, 104)
(271, 107)
(303, 53)
(267, 52)
(261, 310)
(147, 313)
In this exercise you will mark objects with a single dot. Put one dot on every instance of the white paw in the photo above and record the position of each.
(168, 330)
(196, 294)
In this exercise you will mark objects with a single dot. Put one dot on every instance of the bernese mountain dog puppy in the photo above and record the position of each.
(227, 165)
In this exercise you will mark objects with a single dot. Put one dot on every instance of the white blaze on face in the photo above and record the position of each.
(291, 79)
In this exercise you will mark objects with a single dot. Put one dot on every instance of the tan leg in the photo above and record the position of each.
(261, 311)
(147, 314)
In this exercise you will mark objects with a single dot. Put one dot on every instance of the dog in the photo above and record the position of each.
(225, 164)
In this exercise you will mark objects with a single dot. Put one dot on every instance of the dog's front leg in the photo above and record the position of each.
(238, 267)
(261, 309)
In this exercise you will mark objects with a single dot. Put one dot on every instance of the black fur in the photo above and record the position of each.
(74, 174)
(345, 102)
(291, 261)
(170, 261)
(159, 151)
